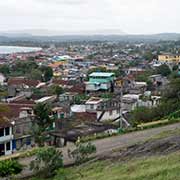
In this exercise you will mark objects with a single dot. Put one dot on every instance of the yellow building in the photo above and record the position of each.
(57, 64)
(169, 58)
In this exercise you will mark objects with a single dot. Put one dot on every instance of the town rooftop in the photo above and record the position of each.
(101, 74)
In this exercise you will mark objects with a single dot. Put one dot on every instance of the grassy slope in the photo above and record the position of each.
(153, 168)
(150, 168)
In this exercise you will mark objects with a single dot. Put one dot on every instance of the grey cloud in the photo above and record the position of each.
(132, 16)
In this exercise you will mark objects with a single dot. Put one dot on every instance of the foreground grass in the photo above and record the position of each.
(152, 168)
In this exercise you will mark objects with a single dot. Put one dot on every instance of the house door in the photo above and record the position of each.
(2, 150)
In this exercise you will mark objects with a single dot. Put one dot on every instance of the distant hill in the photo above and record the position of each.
(45, 32)
(12, 37)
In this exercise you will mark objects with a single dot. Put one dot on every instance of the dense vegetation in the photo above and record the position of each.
(29, 69)
(169, 104)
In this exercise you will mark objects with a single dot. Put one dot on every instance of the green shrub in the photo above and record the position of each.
(9, 167)
(82, 152)
(48, 160)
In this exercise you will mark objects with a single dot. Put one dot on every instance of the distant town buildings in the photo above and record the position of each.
(169, 58)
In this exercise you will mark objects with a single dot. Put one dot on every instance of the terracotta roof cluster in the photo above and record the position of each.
(14, 109)
(86, 116)
(22, 81)
(61, 82)
(79, 88)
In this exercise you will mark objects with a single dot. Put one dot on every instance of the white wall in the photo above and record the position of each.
(8, 137)
(92, 87)
(91, 107)
(109, 116)
(5, 139)
(8, 152)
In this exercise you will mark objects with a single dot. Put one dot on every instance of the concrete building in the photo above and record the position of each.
(105, 109)
(109, 110)
(169, 58)
(100, 81)
(92, 104)
(6, 137)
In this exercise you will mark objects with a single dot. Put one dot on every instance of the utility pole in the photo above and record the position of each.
(120, 120)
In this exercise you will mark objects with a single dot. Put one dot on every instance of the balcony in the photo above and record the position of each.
(6, 138)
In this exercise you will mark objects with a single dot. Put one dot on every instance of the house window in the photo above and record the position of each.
(7, 131)
(110, 113)
(8, 146)
(62, 115)
(91, 106)
(28, 141)
(1, 132)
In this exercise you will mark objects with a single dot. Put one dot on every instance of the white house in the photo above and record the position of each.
(129, 102)
(6, 138)
(93, 103)
(105, 109)
(108, 114)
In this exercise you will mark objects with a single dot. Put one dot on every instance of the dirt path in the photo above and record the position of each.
(108, 144)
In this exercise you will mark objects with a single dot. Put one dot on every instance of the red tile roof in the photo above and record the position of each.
(22, 81)
(86, 116)
(60, 82)
(78, 88)
(14, 110)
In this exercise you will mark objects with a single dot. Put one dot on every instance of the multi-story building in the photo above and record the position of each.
(100, 81)
(169, 58)
(105, 109)
(6, 138)
(15, 131)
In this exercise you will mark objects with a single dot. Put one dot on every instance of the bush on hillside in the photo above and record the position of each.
(48, 160)
(10, 167)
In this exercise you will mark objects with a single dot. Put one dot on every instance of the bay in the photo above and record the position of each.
(17, 49)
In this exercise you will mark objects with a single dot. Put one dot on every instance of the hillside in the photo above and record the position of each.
(157, 168)
(156, 158)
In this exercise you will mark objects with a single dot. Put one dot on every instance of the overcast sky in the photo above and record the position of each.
(130, 16)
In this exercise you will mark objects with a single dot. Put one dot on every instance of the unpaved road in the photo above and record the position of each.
(108, 144)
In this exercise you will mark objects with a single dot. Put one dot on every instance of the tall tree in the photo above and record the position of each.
(164, 70)
(41, 122)
(47, 73)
